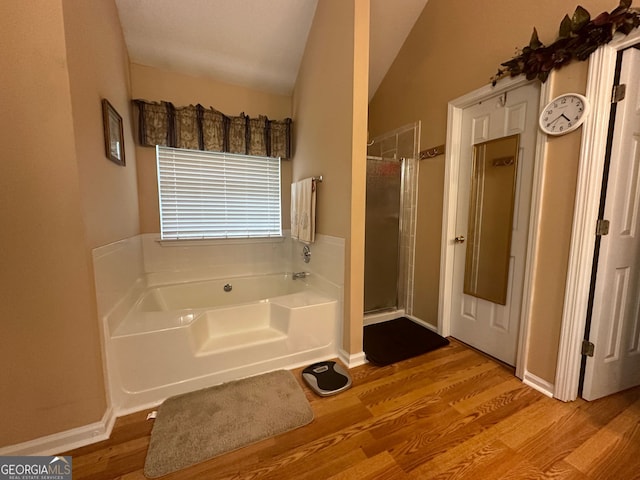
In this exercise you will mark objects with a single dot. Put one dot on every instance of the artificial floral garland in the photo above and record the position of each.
(578, 38)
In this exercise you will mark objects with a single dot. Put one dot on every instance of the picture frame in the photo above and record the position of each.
(113, 133)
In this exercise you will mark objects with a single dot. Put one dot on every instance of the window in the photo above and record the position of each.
(217, 195)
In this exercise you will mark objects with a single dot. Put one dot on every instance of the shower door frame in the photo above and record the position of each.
(398, 305)
(393, 148)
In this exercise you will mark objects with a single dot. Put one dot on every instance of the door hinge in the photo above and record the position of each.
(587, 348)
(602, 227)
(619, 91)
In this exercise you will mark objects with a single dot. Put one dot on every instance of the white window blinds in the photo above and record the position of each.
(217, 195)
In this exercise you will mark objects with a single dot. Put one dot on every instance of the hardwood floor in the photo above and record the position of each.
(452, 413)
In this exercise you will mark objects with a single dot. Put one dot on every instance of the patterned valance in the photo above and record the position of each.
(200, 128)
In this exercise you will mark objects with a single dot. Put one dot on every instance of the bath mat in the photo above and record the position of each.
(390, 342)
(197, 426)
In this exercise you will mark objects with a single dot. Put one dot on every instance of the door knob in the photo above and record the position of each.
(459, 239)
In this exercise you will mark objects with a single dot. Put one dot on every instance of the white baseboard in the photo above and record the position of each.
(64, 441)
(538, 384)
(352, 361)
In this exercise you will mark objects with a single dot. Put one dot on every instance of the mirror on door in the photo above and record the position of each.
(493, 185)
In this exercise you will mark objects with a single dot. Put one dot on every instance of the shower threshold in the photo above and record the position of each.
(382, 316)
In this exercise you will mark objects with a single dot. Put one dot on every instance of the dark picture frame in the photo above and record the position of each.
(113, 133)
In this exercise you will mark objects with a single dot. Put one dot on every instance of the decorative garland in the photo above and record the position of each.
(578, 38)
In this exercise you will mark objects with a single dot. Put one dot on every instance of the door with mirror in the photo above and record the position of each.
(492, 219)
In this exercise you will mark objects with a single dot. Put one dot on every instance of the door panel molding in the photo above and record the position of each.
(614, 293)
(452, 167)
(602, 65)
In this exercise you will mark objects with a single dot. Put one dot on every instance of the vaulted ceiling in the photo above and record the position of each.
(255, 43)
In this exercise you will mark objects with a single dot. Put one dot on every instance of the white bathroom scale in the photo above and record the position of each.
(326, 378)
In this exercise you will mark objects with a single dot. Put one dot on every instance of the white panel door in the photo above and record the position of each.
(487, 326)
(615, 321)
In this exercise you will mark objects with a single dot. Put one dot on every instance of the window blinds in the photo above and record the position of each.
(217, 195)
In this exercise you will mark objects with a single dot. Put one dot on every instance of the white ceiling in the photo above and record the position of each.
(255, 43)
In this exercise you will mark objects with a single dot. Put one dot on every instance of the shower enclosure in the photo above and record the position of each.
(390, 220)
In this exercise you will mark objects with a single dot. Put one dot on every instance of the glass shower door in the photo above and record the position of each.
(382, 234)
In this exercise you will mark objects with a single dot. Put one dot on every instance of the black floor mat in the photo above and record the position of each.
(399, 339)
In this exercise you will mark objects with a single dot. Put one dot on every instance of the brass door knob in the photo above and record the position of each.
(459, 239)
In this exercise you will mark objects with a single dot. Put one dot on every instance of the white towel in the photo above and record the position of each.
(294, 212)
(303, 210)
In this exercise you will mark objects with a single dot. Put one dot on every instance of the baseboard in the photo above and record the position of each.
(538, 384)
(352, 360)
(64, 441)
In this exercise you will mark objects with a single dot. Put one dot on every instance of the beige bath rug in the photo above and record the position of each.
(197, 426)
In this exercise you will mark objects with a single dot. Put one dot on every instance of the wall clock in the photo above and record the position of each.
(564, 114)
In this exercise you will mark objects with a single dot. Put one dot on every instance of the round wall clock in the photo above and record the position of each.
(564, 114)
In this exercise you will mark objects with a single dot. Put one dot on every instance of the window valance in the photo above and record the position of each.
(200, 128)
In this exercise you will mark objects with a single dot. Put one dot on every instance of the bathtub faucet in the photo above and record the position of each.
(297, 275)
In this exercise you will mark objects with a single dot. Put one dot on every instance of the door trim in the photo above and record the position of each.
(450, 200)
(602, 65)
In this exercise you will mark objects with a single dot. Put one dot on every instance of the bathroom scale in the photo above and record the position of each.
(326, 378)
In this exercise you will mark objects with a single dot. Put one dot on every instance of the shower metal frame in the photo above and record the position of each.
(405, 262)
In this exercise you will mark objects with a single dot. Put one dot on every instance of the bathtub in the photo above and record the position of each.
(172, 339)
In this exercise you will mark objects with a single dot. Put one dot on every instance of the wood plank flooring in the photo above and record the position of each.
(452, 413)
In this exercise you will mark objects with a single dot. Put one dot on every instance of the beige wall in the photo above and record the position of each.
(454, 48)
(329, 108)
(98, 66)
(355, 253)
(154, 85)
(554, 235)
(50, 351)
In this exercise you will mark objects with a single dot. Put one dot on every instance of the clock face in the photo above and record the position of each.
(564, 114)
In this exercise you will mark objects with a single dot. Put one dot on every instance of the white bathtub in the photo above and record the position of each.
(178, 338)
(208, 293)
